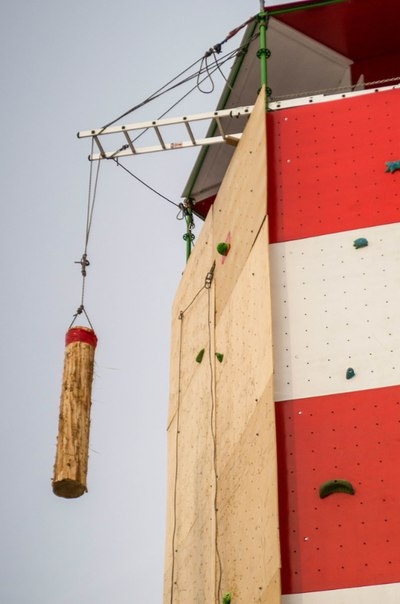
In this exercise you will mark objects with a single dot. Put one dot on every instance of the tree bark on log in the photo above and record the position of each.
(71, 464)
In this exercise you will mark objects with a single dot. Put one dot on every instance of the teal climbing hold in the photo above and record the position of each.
(392, 166)
(350, 373)
(360, 242)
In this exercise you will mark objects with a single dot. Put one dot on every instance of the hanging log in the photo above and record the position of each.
(70, 468)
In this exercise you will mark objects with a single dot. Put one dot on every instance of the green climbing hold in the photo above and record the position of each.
(350, 373)
(360, 242)
(227, 599)
(200, 356)
(219, 356)
(223, 248)
(392, 166)
(336, 486)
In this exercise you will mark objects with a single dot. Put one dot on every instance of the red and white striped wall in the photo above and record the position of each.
(336, 312)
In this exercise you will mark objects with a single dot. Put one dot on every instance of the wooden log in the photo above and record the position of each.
(70, 468)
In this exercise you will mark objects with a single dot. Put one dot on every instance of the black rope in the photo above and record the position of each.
(144, 183)
(153, 96)
(208, 71)
(205, 61)
(204, 68)
(222, 73)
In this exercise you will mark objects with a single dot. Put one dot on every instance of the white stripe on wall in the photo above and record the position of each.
(375, 594)
(336, 307)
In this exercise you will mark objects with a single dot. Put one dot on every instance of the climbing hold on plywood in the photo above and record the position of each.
(219, 356)
(392, 166)
(227, 599)
(70, 468)
(200, 356)
(223, 248)
(350, 373)
(360, 242)
(337, 485)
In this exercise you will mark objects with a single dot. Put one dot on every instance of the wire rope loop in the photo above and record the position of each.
(79, 311)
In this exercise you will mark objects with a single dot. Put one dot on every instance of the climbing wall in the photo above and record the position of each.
(335, 254)
(222, 526)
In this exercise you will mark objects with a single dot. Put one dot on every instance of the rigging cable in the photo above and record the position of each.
(222, 73)
(217, 49)
(153, 96)
(205, 61)
(196, 86)
(209, 71)
(167, 87)
(84, 262)
(144, 183)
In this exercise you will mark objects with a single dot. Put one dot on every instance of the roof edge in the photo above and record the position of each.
(246, 40)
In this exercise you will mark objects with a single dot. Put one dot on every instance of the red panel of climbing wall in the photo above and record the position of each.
(342, 540)
(327, 166)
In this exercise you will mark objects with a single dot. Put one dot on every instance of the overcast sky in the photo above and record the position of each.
(69, 66)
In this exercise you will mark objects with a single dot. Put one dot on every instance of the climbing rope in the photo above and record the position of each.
(84, 261)
(213, 427)
(206, 287)
(176, 461)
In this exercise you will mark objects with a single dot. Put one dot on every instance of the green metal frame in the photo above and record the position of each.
(261, 21)
(221, 105)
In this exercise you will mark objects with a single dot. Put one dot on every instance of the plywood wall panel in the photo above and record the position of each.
(240, 206)
(222, 503)
(191, 487)
(248, 510)
(243, 336)
(193, 328)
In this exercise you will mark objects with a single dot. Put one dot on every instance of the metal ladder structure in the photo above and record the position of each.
(220, 130)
